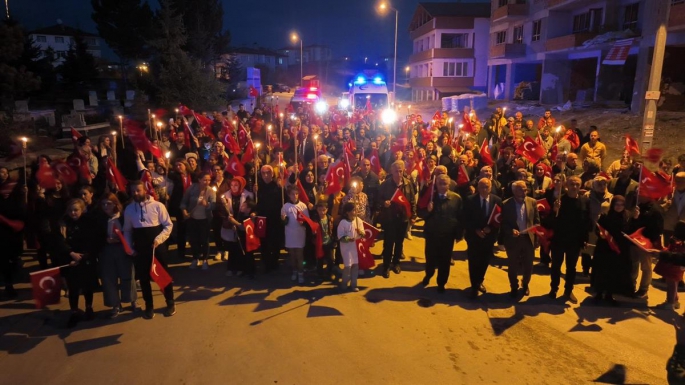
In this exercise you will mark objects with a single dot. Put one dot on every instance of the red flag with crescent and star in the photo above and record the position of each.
(317, 240)
(640, 240)
(115, 176)
(543, 206)
(425, 198)
(302, 193)
(609, 238)
(159, 274)
(366, 260)
(260, 227)
(462, 176)
(495, 219)
(64, 171)
(46, 286)
(335, 177)
(46, 177)
(375, 160)
(631, 146)
(252, 241)
(79, 164)
(531, 150)
(248, 155)
(234, 167)
(75, 135)
(652, 186)
(399, 198)
(122, 239)
(485, 155)
(370, 234)
(544, 236)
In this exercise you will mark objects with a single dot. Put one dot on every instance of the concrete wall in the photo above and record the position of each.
(481, 49)
(556, 77)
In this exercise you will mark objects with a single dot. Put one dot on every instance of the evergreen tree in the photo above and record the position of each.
(79, 66)
(16, 81)
(126, 26)
(203, 21)
(39, 63)
(178, 78)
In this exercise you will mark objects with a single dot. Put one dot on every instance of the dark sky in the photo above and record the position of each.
(349, 27)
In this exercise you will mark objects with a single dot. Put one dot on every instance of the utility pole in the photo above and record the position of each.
(656, 23)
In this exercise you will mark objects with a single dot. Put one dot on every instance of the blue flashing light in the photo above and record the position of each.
(360, 80)
(349, 84)
(377, 80)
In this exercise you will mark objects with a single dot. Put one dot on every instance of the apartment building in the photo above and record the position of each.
(450, 49)
(60, 38)
(578, 50)
(310, 53)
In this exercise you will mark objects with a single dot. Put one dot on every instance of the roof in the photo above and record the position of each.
(255, 51)
(457, 9)
(61, 30)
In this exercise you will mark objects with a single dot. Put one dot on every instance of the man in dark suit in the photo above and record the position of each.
(443, 226)
(519, 214)
(480, 236)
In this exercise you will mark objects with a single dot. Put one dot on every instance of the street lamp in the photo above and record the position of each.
(383, 7)
(294, 37)
(406, 72)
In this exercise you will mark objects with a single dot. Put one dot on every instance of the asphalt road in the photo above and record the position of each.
(269, 331)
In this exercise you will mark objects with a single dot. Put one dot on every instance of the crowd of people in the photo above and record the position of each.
(318, 185)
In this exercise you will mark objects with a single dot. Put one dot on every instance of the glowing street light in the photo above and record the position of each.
(294, 37)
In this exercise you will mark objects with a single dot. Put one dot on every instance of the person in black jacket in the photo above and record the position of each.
(269, 203)
(77, 249)
(480, 235)
(571, 225)
(444, 225)
(650, 215)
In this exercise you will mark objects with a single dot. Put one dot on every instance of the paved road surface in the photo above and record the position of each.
(267, 331)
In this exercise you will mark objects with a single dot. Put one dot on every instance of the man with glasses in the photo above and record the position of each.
(269, 204)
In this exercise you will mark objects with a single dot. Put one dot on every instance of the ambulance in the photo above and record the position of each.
(366, 87)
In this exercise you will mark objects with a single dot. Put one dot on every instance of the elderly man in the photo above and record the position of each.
(599, 200)
(269, 203)
(480, 236)
(370, 179)
(594, 149)
(443, 226)
(394, 218)
(519, 215)
(571, 224)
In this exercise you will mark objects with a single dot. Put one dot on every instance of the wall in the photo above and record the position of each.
(481, 49)
(556, 75)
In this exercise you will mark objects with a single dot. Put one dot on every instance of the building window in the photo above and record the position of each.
(630, 17)
(581, 23)
(41, 39)
(455, 69)
(518, 34)
(59, 39)
(502, 3)
(500, 37)
(280, 60)
(674, 2)
(537, 29)
(454, 40)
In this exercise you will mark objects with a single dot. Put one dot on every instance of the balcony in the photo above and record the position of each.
(507, 50)
(442, 82)
(568, 5)
(511, 11)
(441, 53)
(568, 41)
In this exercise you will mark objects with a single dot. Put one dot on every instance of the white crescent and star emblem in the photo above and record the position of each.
(497, 217)
(401, 199)
(368, 233)
(525, 147)
(639, 242)
(154, 269)
(541, 207)
(47, 289)
(340, 172)
(233, 167)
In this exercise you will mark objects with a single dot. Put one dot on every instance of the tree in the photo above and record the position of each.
(178, 78)
(203, 21)
(40, 63)
(126, 26)
(79, 65)
(16, 81)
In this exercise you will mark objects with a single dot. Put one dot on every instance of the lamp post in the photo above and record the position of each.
(294, 37)
(383, 6)
(406, 73)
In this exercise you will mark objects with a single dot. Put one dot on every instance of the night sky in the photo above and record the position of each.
(350, 27)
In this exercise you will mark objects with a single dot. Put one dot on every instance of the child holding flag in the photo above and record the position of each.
(350, 229)
(295, 232)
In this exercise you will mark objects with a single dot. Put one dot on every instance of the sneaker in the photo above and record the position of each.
(90, 314)
(294, 276)
(193, 265)
(224, 256)
(218, 256)
(114, 313)
(355, 289)
(300, 278)
(229, 273)
(386, 273)
(396, 269)
(149, 312)
(170, 310)
(205, 265)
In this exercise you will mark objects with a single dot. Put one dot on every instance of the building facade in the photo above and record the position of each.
(60, 39)
(450, 49)
(310, 54)
(554, 51)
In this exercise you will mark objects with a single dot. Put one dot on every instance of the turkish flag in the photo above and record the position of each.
(79, 164)
(399, 198)
(303, 194)
(437, 116)
(554, 152)
(466, 123)
(260, 227)
(485, 155)
(64, 171)
(252, 242)
(188, 133)
(205, 124)
(652, 186)
(366, 260)
(335, 177)
(543, 206)
(531, 150)
(159, 274)
(46, 177)
(425, 198)
(544, 236)
(318, 237)
(46, 286)
(610, 239)
(640, 240)
(243, 135)
(253, 92)
(375, 160)
(231, 144)
(495, 219)
(234, 167)
(302, 218)
(114, 175)
(631, 146)
(122, 239)
(140, 140)
(654, 155)
(249, 154)
(75, 135)
(462, 176)
(149, 188)
(185, 111)
(370, 233)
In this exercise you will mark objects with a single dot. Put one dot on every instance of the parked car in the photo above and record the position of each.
(280, 87)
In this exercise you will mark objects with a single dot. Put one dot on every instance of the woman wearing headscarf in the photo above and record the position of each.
(612, 264)
(239, 204)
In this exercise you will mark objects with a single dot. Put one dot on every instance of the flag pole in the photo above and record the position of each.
(432, 189)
